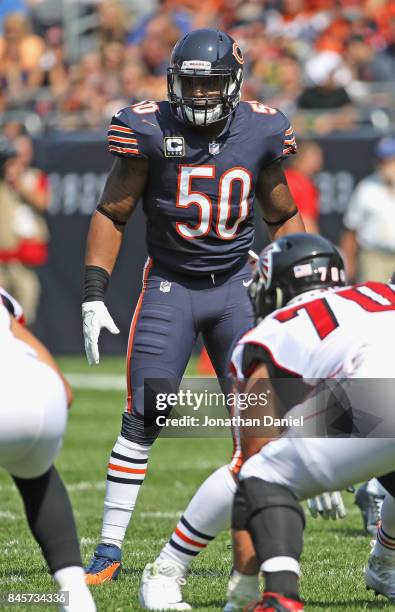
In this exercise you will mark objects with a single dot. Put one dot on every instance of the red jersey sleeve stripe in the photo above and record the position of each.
(289, 131)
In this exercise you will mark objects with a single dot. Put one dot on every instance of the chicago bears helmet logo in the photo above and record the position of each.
(236, 51)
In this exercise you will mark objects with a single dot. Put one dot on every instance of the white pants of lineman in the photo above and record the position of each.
(309, 466)
(33, 415)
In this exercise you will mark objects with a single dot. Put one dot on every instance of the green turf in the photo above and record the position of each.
(334, 552)
(107, 365)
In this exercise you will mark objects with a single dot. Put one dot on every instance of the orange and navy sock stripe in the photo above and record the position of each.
(188, 540)
(385, 540)
(126, 470)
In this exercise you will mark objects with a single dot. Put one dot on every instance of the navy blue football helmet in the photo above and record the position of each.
(204, 77)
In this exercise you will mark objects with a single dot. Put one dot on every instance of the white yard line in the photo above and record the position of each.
(8, 516)
(105, 382)
(87, 485)
(159, 514)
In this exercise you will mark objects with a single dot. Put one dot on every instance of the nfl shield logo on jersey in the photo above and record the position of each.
(174, 146)
(165, 286)
(213, 148)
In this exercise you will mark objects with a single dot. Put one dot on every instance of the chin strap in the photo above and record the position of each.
(279, 298)
(283, 220)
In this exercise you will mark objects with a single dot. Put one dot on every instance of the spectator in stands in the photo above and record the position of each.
(288, 87)
(180, 12)
(54, 70)
(261, 57)
(113, 22)
(368, 64)
(336, 42)
(300, 177)
(20, 54)
(369, 239)
(161, 36)
(133, 80)
(24, 197)
(45, 14)
(112, 63)
(295, 20)
(328, 75)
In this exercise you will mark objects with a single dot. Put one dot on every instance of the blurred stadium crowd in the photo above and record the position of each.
(71, 63)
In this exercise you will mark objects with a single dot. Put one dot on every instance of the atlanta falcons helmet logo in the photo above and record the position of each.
(265, 263)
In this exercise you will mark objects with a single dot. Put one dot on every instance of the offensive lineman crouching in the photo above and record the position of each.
(33, 412)
(318, 332)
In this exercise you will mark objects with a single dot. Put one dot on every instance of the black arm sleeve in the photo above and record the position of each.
(254, 355)
(95, 283)
(289, 388)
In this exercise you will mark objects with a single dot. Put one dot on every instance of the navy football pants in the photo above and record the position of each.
(170, 313)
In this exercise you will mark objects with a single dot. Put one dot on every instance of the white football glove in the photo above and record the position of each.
(328, 505)
(95, 316)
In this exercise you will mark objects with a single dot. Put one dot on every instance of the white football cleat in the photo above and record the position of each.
(380, 576)
(242, 590)
(160, 587)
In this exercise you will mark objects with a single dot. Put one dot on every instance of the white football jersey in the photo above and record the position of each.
(10, 347)
(5, 325)
(329, 333)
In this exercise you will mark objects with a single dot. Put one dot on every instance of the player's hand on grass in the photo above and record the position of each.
(328, 505)
(95, 316)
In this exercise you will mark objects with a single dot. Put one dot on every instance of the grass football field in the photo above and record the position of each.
(333, 559)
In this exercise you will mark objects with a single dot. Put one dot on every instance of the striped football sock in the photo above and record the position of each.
(385, 540)
(208, 513)
(126, 472)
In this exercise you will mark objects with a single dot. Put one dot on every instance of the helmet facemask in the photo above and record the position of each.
(219, 93)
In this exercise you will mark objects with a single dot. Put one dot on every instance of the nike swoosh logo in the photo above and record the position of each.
(247, 283)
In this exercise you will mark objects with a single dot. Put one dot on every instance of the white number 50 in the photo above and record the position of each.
(186, 198)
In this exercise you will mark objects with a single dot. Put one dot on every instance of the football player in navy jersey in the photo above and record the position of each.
(196, 161)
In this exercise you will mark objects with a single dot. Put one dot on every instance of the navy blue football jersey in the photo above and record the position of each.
(200, 192)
